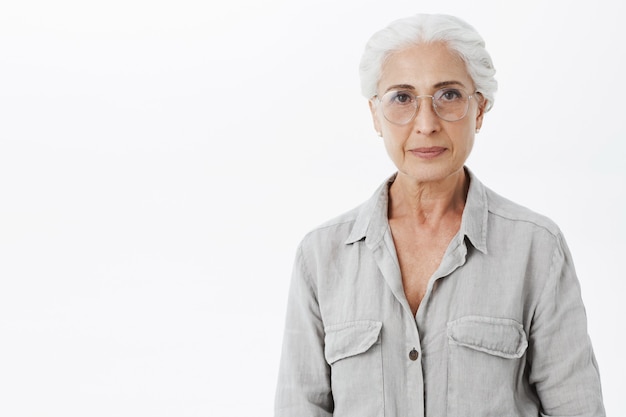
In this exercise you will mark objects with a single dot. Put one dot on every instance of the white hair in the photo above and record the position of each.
(458, 35)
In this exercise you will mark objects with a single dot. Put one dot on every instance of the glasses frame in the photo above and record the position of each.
(432, 101)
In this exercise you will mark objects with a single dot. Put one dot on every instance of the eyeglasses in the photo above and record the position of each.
(400, 106)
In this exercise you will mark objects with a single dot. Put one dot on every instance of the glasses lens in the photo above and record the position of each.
(399, 106)
(451, 104)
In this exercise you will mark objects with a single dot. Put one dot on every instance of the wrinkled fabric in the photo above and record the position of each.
(501, 330)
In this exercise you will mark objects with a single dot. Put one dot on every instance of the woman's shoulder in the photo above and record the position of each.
(352, 224)
(337, 228)
(510, 211)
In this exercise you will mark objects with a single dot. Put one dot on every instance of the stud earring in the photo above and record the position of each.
(478, 130)
(380, 134)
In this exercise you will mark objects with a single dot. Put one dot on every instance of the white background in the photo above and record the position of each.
(161, 160)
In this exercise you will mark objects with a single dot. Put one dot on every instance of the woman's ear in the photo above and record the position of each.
(375, 119)
(482, 105)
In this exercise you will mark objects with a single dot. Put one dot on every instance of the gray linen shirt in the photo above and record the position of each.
(501, 330)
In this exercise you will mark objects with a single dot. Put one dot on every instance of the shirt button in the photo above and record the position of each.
(413, 355)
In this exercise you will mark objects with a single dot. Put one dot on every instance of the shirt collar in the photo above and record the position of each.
(475, 214)
(372, 221)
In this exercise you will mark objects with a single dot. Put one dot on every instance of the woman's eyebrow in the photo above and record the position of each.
(448, 83)
(400, 87)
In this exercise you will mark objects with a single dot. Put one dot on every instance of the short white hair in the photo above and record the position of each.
(458, 35)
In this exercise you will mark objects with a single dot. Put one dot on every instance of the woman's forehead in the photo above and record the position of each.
(426, 65)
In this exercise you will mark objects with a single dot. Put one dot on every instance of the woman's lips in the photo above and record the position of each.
(428, 153)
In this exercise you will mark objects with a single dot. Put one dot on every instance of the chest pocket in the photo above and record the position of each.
(353, 351)
(485, 364)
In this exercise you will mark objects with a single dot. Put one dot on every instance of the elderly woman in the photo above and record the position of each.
(436, 297)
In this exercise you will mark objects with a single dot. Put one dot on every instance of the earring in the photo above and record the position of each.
(478, 130)
(380, 134)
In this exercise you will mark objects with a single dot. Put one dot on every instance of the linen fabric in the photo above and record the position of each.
(501, 330)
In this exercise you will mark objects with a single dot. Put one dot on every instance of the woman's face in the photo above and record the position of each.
(427, 149)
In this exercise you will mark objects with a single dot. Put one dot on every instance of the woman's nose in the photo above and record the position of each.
(426, 120)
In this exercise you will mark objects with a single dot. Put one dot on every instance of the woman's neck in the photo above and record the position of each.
(428, 203)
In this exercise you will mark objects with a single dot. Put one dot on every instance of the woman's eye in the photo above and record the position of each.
(450, 94)
(403, 98)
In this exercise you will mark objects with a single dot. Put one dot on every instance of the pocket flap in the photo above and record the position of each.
(349, 339)
(500, 337)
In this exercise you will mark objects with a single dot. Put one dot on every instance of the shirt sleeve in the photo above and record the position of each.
(563, 366)
(303, 388)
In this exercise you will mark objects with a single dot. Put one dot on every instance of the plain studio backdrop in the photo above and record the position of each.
(160, 161)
